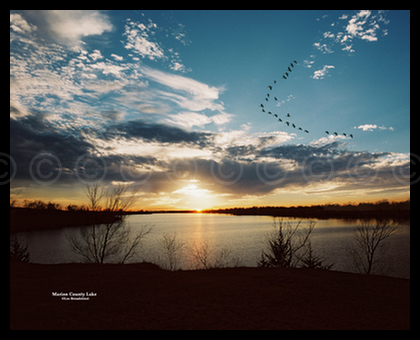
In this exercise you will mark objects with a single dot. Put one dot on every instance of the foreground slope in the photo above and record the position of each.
(141, 296)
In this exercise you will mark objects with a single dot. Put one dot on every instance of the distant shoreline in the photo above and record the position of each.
(313, 213)
(25, 219)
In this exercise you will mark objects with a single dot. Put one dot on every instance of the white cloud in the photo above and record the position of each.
(96, 55)
(76, 81)
(142, 38)
(189, 119)
(320, 74)
(20, 25)
(176, 66)
(117, 57)
(324, 48)
(288, 99)
(356, 26)
(329, 35)
(139, 40)
(348, 48)
(70, 26)
(222, 118)
(368, 127)
(109, 68)
(364, 25)
(371, 127)
(192, 95)
(308, 63)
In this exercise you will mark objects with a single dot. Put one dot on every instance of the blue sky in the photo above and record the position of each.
(170, 101)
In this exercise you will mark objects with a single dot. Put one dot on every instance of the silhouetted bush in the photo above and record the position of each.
(311, 260)
(286, 244)
(18, 251)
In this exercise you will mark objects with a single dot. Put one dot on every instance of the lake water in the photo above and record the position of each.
(242, 238)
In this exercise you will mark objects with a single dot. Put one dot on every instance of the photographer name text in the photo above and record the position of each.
(74, 296)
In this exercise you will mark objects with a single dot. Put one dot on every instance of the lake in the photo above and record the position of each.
(238, 240)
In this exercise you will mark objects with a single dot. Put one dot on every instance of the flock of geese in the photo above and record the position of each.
(264, 109)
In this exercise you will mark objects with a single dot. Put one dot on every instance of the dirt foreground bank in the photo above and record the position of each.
(141, 296)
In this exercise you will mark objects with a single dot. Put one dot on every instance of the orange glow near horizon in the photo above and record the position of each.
(194, 196)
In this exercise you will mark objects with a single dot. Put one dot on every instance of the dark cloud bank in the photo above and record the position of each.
(37, 145)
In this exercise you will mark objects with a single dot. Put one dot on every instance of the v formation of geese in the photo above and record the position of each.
(285, 76)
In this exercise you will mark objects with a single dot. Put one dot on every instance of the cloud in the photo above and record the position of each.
(33, 135)
(320, 74)
(153, 132)
(20, 25)
(189, 93)
(356, 26)
(288, 99)
(367, 127)
(113, 115)
(371, 127)
(139, 40)
(221, 118)
(364, 25)
(164, 158)
(324, 48)
(142, 38)
(180, 34)
(117, 57)
(190, 119)
(89, 84)
(69, 27)
(96, 55)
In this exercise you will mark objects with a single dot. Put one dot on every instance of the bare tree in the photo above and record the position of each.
(285, 244)
(369, 238)
(172, 248)
(224, 259)
(111, 241)
(200, 255)
(94, 193)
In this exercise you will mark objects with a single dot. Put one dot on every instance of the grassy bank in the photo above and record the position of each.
(141, 296)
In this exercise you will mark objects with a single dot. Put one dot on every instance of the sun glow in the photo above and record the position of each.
(194, 198)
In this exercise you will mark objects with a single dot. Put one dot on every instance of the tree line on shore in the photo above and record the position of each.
(381, 209)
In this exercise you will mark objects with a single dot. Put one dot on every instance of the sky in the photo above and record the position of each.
(171, 103)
